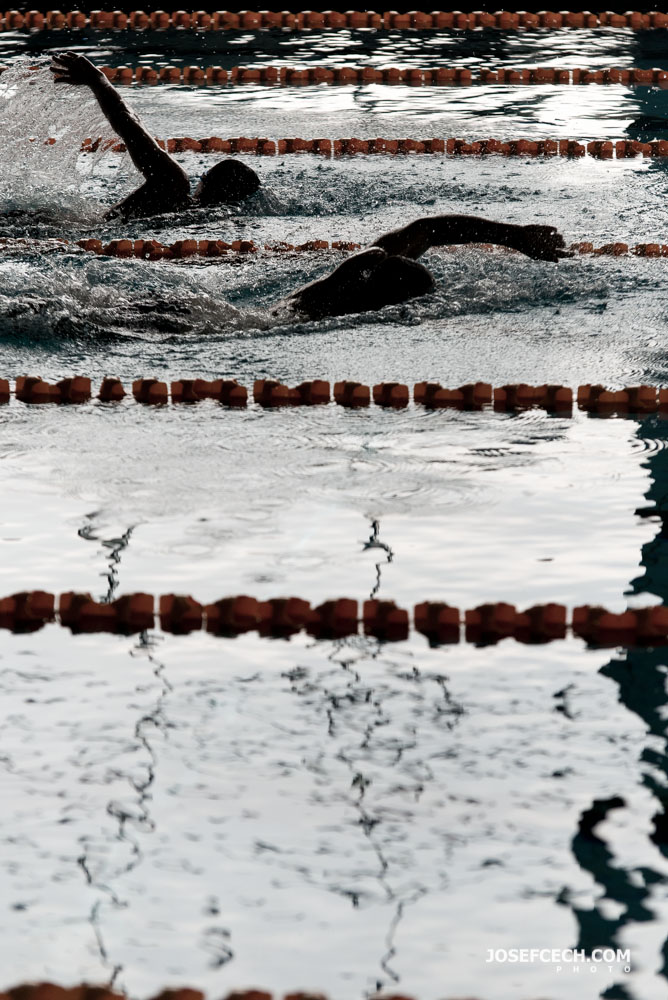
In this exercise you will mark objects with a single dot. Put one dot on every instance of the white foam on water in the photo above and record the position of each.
(74, 293)
(37, 173)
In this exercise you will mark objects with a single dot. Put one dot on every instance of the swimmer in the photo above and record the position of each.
(167, 187)
(388, 272)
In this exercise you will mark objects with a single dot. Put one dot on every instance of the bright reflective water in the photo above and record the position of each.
(351, 815)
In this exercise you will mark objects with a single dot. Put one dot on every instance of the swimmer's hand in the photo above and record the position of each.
(75, 69)
(541, 243)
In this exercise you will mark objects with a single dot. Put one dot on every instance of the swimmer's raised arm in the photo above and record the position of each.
(157, 166)
(539, 242)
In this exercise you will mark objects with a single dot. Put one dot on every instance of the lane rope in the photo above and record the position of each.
(270, 393)
(486, 624)
(601, 149)
(116, 20)
(154, 250)
(150, 249)
(147, 249)
(446, 76)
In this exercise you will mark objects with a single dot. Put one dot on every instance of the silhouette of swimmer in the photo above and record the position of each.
(167, 187)
(388, 272)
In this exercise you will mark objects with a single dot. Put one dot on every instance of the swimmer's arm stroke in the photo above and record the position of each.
(539, 242)
(156, 164)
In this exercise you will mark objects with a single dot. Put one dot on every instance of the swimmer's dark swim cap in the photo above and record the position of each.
(398, 279)
(383, 282)
(227, 181)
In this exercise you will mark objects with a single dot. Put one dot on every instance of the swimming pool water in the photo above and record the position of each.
(343, 815)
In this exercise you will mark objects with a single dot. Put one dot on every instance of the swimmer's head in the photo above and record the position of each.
(226, 182)
(368, 281)
(395, 280)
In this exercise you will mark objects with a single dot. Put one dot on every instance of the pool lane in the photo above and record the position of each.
(177, 806)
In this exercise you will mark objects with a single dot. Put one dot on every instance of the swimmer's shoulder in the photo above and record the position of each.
(150, 200)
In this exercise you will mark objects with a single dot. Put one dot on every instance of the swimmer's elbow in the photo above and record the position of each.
(181, 180)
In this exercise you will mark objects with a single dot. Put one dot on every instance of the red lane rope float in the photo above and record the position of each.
(446, 76)
(29, 611)
(271, 394)
(601, 149)
(116, 20)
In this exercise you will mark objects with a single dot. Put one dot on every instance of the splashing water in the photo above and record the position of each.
(39, 174)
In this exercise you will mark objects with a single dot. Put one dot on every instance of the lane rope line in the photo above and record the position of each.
(150, 249)
(486, 624)
(601, 149)
(154, 250)
(445, 76)
(269, 393)
(116, 20)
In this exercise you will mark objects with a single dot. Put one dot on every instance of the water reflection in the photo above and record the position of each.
(360, 719)
(374, 542)
(562, 48)
(132, 818)
(114, 548)
(651, 121)
(641, 678)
